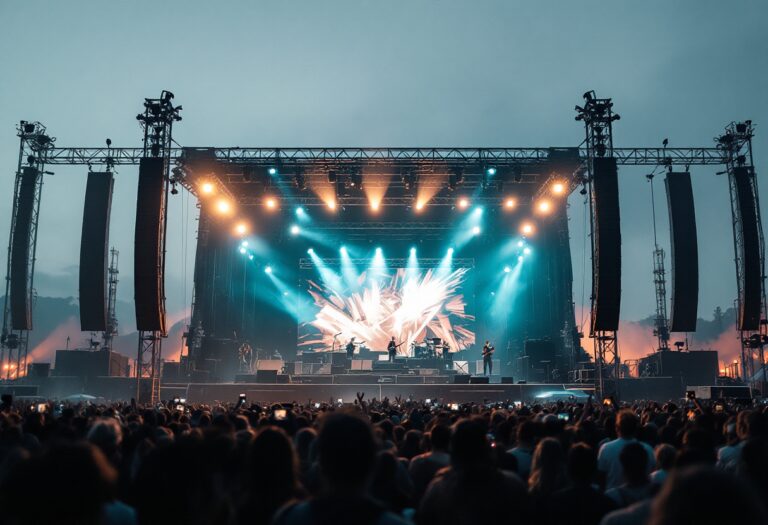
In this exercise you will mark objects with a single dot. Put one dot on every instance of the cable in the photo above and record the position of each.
(584, 263)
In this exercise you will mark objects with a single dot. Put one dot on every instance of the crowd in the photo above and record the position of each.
(385, 462)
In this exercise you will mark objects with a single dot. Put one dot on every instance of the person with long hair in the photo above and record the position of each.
(547, 475)
(273, 476)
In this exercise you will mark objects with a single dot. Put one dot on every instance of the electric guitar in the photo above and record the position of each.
(488, 351)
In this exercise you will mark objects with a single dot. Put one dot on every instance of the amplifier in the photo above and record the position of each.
(461, 379)
(479, 380)
(266, 376)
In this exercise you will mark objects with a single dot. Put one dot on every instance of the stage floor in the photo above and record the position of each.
(124, 388)
(303, 393)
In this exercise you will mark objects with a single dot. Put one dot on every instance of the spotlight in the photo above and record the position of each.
(223, 206)
(375, 206)
(479, 210)
(300, 211)
(476, 230)
(526, 228)
(463, 203)
(558, 188)
(331, 205)
(241, 228)
(491, 171)
(250, 256)
(295, 230)
(526, 251)
(242, 250)
(520, 244)
(310, 251)
(268, 270)
(378, 250)
(272, 171)
(509, 203)
(450, 251)
(271, 203)
(343, 250)
(544, 206)
(419, 206)
(207, 188)
(507, 269)
(244, 244)
(413, 251)
(519, 258)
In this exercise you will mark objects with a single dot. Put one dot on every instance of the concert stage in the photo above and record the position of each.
(303, 251)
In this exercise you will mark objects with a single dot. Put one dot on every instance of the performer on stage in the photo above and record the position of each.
(488, 350)
(351, 348)
(392, 349)
(245, 355)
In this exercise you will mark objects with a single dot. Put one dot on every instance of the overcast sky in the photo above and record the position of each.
(382, 73)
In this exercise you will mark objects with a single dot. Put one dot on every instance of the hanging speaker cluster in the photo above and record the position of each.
(94, 246)
(606, 264)
(685, 252)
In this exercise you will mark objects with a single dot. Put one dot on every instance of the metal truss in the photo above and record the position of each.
(308, 264)
(736, 145)
(373, 225)
(598, 117)
(34, 142)
(694, 156)
(157, 121)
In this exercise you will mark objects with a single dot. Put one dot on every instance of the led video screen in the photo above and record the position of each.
(373, 306)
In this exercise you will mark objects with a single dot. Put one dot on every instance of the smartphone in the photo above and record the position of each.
(690, 394)
(564, 416)
(607, 402)
(691, 415)
(280, 414)
(340, 401)
(428, 401)
(317, 405)
(454, 406)
(719, 408)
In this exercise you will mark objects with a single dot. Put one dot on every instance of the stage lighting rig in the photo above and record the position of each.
(299, 181)
(356, 179)
(455, 178)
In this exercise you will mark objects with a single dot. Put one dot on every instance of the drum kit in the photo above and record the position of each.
(431, 347)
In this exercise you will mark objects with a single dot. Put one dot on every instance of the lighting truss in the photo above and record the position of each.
(306, 263)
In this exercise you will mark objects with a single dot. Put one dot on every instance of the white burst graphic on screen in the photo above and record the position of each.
(407, 306)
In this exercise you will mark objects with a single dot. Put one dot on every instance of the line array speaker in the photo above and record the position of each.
(685, 252)
(749, 251)
(21, 307)
(94, 243)
(149, 279)
(606, 263)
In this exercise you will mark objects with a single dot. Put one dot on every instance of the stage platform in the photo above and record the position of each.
(124, 388)
(302, 393)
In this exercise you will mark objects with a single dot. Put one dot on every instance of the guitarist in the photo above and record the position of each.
(392, 349)
(488, 350)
